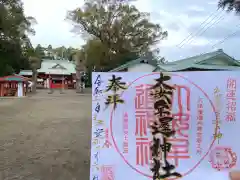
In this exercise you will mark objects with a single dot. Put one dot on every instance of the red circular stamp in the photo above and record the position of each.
(222, 158)
(137, 156)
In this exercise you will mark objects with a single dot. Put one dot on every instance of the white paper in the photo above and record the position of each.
(206, 143)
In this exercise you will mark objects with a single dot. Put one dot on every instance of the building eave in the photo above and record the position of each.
(200, 67)
(134, 62)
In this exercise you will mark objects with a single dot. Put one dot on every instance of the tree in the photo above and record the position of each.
(49, 52)
(14, 29)
(35, 64)
(39, 51)
(34, 60)
(60, 52)
(121, 28)
(94, 53)
(80, 68)
(11, 58)
(49, 47)
(230, 5)
(93, 56)
(154, 55)
(70, 52)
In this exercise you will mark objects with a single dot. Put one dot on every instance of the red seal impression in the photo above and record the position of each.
(222, 158)
(134, 148)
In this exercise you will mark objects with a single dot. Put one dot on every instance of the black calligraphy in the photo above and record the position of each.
(97, 108)
(98, 133)
(97, 83)
(95, 177)
(115, 85)
(96, 156)
(161, 129)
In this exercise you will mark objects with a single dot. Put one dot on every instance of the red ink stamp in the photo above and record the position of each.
(222, 158)
(181, 111)
(107, 172)
(107, 143)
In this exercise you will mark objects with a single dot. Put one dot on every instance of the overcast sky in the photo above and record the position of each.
(179, 18)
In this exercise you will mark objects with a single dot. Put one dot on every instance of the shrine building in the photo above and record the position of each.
(54, 74)
(212, 61)
(13, 86)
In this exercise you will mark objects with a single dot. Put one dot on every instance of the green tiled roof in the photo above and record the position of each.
(231, 68)
(191, 62)
(134, 62)
(197, 66)
(25, 72)
(13, 78)
(202, 57)
(47, 67)
(197, 62)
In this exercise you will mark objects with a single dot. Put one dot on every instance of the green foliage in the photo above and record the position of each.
(96, 56)
(64, 52)
(54, 53)
(120, 27)
(35, 62)
(39, 51)
(13, 35)
(12, 61)
(49, 47)
(230, 5)
(119, 33)
(94, 53)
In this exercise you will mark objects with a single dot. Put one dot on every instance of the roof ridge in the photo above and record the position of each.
(132, 62)
(55, 60)
(196, 56)
(126, 64)
(26, 70)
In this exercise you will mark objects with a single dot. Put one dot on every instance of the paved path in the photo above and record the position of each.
(45, 137)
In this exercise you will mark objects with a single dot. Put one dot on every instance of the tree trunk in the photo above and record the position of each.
(79, 67)
(78, 81)
(34, 80)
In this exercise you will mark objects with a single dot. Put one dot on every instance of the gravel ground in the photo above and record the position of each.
(45, 137)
